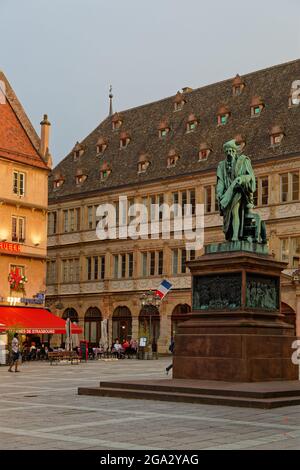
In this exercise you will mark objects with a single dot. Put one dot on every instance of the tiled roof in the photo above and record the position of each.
(18, 140)
(272, 85)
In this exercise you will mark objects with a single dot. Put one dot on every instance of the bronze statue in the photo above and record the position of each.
(235, 188)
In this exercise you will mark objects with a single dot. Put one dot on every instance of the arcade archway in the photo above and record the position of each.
(92, 326)
(122, 323)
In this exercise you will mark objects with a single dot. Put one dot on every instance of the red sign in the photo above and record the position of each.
(11, 247)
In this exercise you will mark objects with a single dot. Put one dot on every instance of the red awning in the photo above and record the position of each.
(30, 320)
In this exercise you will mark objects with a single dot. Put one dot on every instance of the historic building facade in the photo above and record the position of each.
(167, 152)
(24, 168)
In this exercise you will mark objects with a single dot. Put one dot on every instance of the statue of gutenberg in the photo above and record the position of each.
(235, 188)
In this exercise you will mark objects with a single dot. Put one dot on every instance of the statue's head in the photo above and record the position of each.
(231, 149)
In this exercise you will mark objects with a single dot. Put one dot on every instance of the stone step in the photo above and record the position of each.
(226, 390)
(143, 394)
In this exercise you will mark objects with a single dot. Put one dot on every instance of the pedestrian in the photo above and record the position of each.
(15, 358)
(172, 350)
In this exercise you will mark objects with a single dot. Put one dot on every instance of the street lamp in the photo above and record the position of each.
(150, 299)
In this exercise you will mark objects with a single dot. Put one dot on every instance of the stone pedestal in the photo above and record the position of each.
(236, 331)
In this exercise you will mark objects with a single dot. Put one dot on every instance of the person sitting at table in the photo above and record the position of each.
(117, 349)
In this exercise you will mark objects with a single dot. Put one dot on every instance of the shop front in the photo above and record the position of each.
(34, 324)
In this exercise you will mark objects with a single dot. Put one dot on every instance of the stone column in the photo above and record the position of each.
(135, 326)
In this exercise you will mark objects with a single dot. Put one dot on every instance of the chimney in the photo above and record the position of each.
(45, 131)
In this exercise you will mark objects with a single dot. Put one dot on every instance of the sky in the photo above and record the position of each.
(60, 56)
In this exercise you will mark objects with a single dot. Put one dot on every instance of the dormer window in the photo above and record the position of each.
(143, 164)
(240, 141)
(173, 157)
(179, 101)
(101, 145)
(204, 151)
(116, 121)
(192, 123)
(276, 135)
(223, 116)
(237, 86)
(124, 140)
(163, 129)
(78, 150)
(257, 105)
(105, 171)
(58, 181)
(80, 177)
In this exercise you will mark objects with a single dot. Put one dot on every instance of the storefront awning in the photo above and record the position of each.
(29, 320)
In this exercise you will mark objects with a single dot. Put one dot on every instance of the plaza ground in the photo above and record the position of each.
(40, 409)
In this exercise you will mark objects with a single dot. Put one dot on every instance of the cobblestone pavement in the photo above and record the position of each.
(40, 409)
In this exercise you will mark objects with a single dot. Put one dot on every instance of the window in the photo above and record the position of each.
(290, 251)
(123, 265)
(256, 106)
(223, 119)
(192, 123)
(175, 262)
(208, 199)
(261, 195)
(179, 102)
(179, 259)
(58, 183)
(101, 145)
(95, 267)
(71, 220)
(19, 183)
(70, 270)
(237, 85)
(20, 268)
(130, 264)
(160, 262)
(80, 179)
(142, 166)
(289, 187)
(144, 264)
(203, 154)
(152, 263)
(193, 201)
(284, 250)
(51, 272)
(18, 229)
(163, 131)
(52, 223)
(90, 217)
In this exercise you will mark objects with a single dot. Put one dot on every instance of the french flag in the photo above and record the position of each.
(163, 288)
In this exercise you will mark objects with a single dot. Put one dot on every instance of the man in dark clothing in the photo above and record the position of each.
(171, 349)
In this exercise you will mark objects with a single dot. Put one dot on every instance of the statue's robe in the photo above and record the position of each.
(230, 193)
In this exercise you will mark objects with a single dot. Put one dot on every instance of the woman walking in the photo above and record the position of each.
(15, 351)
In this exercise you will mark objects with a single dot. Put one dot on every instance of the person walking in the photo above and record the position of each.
(172, 350)
(15, 351)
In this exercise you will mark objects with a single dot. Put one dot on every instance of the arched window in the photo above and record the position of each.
(179, 315)
(149, 323)
(70, 313)
(122, 323)
(92, 326)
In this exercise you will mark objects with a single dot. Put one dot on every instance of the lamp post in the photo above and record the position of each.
(150, 299)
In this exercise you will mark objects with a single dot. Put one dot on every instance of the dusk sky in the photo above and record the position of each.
(60, 56)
